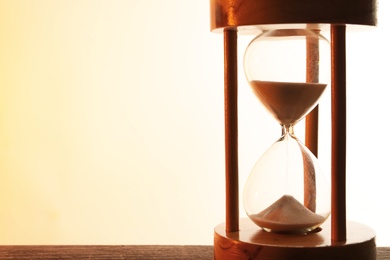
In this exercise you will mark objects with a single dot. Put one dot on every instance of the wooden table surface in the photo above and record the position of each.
(122, 252)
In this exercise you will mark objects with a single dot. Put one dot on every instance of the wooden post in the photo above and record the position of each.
(311, 132)
(231, 136)
(338, 164)
(312, 76)
(311, 124)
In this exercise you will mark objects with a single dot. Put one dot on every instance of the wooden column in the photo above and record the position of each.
(311, 132)
(311, 124)
(312, 75)
(338, 164)
(231, 136)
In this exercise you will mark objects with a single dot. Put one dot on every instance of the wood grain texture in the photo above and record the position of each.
(311, 124)
(107, 252)
(231, 129)
(130, 252)
(253, 243)
(339, 131)
(262, 13)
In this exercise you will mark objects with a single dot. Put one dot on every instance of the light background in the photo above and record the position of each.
(111, 123)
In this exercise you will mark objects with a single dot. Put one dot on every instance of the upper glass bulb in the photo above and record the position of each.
(288, 70)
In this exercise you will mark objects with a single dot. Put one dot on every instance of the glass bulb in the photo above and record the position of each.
(288, 71)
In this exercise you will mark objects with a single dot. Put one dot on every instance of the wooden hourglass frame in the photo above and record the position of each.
(341, 239)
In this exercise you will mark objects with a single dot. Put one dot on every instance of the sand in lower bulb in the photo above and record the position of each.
(287, 215)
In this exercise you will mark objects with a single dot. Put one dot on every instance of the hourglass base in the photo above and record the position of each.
(253, 243)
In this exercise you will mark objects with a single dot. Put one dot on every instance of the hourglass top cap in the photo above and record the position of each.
(254, 15)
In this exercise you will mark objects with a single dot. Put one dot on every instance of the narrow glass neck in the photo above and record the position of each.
(288, 129)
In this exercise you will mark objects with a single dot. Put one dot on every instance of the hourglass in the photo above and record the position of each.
(292, 211)
(286, 191)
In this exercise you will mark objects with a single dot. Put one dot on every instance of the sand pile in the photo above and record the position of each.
(287, 215)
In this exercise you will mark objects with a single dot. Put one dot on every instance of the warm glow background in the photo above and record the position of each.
(111, 123)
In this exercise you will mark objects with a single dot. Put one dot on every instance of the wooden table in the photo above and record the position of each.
(122, 252)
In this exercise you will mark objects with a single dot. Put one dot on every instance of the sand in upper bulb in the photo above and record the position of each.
(288, 102)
